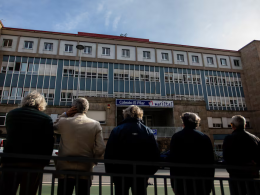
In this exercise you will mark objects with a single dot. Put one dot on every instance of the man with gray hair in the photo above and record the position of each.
(241, 148)
(29, 132)
(190, 146)
(82, 137)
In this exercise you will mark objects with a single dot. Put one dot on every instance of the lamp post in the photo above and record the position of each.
(80, 48)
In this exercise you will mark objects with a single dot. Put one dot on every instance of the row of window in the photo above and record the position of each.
(223, 122)
(22, 67)
(124, 53)
(182, 78)
(226, 102)
(225, 81)
(137, 76)
(73, 73)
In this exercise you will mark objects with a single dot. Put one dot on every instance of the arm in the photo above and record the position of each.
(56, 124)
(99, 148)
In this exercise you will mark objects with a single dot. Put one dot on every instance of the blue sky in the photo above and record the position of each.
(224, 24)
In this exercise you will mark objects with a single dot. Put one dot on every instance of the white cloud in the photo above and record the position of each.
(71, 23)
(107, 18)
(100, 7)
(116, 21)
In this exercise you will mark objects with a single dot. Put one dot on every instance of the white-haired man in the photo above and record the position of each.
(80, 136)
(29, 131)
(241, 148)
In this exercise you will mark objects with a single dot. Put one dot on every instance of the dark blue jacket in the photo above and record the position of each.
(132, 141)
(191, 147)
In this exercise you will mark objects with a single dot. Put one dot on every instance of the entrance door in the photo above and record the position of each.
(148, 121)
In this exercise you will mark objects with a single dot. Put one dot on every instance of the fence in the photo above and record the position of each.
(218, 185)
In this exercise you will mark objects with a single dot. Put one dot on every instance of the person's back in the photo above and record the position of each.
(243, 149)
(190, 146)
(131, 141)
(80, 137)
(29, 131)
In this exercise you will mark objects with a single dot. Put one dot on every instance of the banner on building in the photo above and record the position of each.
(149, 103)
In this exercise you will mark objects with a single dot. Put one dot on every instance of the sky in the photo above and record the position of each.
(223, 24)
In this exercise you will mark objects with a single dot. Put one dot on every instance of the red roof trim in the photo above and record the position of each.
(94, 35)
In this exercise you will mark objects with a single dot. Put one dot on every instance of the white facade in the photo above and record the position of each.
(227, 61)
(175, 57)
(233, 64)
(112, 53)
(120, 56)
(21, 47)
(14, 43)
(207, 64)
(160, 57)
(62, 48)
(93, 48)
(54, 49)
(140, 54)
(200, 63)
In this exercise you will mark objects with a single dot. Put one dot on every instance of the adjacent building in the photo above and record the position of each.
(114, 71)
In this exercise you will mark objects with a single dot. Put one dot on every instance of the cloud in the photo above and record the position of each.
(116, 21)
(107, 18)
(71, 23)
(100, 7)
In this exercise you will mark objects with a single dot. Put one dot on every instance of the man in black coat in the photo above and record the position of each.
(243, 149)
(29, 132)
(190, 146)
(131, 141)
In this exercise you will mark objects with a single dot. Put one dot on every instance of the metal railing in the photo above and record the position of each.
(218, 185)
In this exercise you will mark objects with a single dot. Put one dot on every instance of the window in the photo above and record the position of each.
(223, 62)
(210, 60)
(146, 54)
(17, 66)
(180, 57)
(48, 97)
(3, 69)
(16, 92)
(7, 42)
(105, 51)
(66, 96)
(216, 125)
(48, 46)
(25, 93)
(68, 48)
(236, 62)
(165, 56)
(28, 44)
(87, 49)
(2, 120)
(5, 94)
(33, 68)
(195, 59)
(24, 67)
(126, 53)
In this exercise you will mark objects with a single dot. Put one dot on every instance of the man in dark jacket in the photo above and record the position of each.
(190, 146)
(131, 141)
(241, 148)
(29, 132)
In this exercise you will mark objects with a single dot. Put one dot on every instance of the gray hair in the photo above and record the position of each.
(81, 104)
(133, 112)
(34, 99)
(238, 121)
(190, 120)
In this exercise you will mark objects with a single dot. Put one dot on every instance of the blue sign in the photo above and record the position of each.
(149, 103)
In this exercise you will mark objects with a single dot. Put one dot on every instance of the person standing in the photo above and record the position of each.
(131, 140)
(241, 148)
(29, 132)
(80, 137)
(190, 146)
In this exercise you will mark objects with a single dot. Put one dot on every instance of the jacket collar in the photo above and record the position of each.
(80, 114)
(130, 120)
(238, 130)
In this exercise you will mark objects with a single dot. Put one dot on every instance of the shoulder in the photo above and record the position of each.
(255, 138)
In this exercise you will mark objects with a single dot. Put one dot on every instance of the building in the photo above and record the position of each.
(114, 71)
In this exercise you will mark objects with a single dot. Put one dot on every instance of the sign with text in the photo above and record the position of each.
(149, 103)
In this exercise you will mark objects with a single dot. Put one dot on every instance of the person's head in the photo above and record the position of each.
(81, 104)
(35, 100)
(238, 122)
(190, 120)
(133, 112)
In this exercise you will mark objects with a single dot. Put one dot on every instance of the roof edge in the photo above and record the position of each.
(248, 44)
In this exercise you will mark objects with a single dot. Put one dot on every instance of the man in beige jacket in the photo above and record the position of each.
(80, 136)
